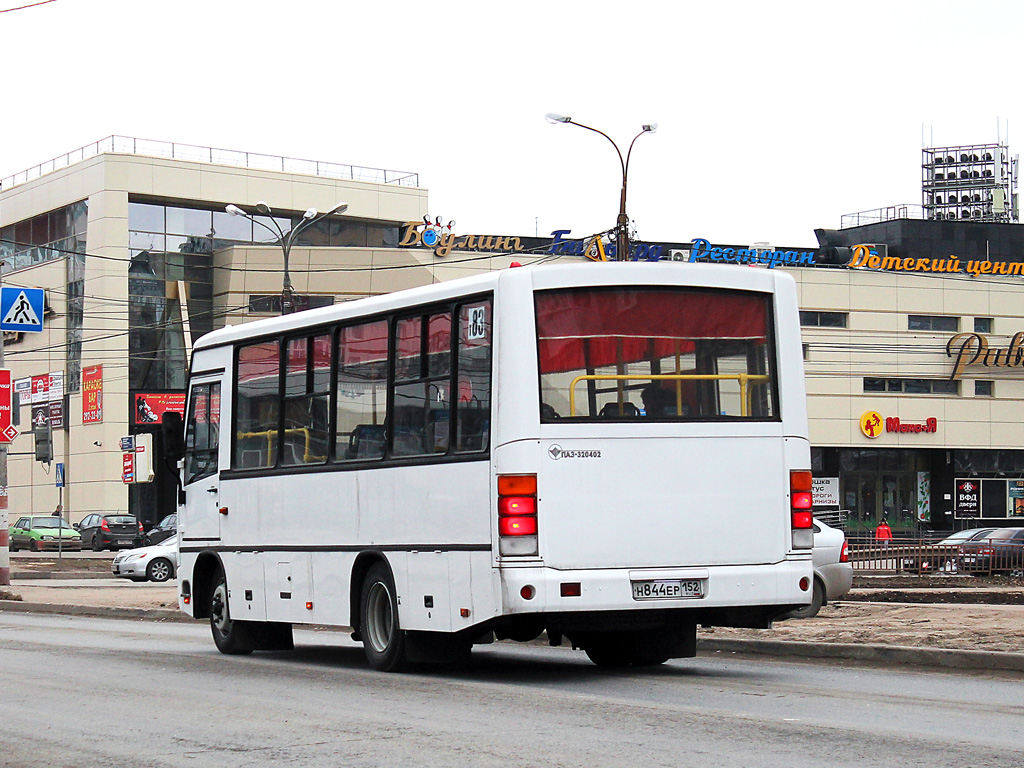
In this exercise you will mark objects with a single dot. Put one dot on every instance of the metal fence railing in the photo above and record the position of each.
(130, 145)
(983, 557)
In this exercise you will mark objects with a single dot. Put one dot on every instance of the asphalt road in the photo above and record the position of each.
(98, 692)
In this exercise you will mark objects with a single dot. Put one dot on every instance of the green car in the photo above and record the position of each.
(44, 532)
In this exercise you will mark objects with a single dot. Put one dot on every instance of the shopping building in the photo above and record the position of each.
(913, 324)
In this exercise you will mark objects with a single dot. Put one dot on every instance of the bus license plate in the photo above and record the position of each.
(673, 589)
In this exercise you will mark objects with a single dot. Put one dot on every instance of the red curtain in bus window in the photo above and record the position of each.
(258, 361)
(366, 343)
(596, 328)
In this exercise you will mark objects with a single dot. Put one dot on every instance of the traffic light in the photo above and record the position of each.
(43, 434)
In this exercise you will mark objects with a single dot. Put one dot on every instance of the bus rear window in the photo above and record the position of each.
(634, 354)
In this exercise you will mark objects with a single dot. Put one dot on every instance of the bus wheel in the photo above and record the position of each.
(383, 639)
(611, 649)
(232, 637)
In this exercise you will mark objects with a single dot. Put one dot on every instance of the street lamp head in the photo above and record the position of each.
(338, 208)
(263, 208)
(650, 127)
(554, 117)
(234, 210)
(309, 214)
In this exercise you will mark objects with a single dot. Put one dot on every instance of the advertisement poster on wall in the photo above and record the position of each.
(968, 498)
(56, 399)
(1015, 490)
(924, 497)
(92, 394)
(151, 406)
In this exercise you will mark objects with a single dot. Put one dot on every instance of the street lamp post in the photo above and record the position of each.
(622, 223)
(286, 240)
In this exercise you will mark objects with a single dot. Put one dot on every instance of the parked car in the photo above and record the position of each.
(156, 563)
(1002, 551)
(833, 572)
(942, 555)
(38, 533)
(163, 530)
(112, 531)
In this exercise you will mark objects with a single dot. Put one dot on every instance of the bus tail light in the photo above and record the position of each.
(801, 503)
(517, 515)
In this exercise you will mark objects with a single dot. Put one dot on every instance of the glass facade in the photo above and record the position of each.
(51, 236)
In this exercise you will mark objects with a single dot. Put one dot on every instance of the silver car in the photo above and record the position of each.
(833, 573)
(156, 563)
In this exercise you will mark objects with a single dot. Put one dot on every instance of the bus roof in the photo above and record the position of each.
(542, 276)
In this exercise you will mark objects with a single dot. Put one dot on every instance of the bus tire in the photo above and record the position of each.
(611, 650)
(232, 637)
(383, 639)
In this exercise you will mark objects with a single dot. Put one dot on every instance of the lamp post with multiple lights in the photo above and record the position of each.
(622, 223)
(286, 240)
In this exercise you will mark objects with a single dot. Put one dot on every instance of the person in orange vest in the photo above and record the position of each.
(883, 533)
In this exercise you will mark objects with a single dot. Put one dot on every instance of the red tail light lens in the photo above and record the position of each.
(517, 526)
(844, 553)
(802, 500)
(517, 514)
(517, 505)
(103, 525)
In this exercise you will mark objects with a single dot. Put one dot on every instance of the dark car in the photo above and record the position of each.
(1002, 551)
(165, 529)
(112, 531)
(940, 556)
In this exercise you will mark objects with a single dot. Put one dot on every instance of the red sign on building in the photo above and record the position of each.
(92, 394)
(151, 406)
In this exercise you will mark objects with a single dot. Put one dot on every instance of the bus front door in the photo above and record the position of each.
(200, 519)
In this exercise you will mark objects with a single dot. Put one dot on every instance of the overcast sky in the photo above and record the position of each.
(774, 117)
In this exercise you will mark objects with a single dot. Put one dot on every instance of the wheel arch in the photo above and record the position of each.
(203, 572)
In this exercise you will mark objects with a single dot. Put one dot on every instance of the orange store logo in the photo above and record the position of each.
(871, 423)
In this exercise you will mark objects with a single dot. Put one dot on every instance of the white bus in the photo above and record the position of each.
(609, 453)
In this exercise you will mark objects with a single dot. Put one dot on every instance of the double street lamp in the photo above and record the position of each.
(286, 240)
(622, 224)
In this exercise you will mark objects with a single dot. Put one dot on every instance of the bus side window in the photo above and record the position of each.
(473, 409)
(361, 390)
(422, 417)
(202, 435)
(256, 407)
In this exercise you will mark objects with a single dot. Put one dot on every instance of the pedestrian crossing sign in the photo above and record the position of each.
(21, 309)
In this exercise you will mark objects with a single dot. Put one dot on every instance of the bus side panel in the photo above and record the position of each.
(289, 584)
(331, 573)
(246, 594)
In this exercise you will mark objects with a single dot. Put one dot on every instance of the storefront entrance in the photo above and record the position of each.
(890, 484)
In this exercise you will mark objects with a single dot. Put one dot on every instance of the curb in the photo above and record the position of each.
(99, 612)
(898, 654)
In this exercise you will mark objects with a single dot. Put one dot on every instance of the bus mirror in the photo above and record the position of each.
(173, 435)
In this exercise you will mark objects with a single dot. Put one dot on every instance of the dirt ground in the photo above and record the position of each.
(922, 616)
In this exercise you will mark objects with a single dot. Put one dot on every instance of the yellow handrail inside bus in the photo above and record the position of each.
(270, 434)
(742, 378)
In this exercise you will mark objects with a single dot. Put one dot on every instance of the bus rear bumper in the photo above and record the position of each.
(716, 596)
